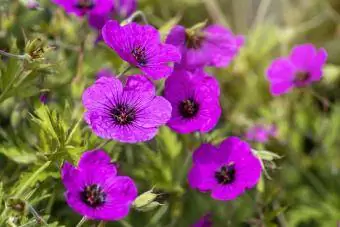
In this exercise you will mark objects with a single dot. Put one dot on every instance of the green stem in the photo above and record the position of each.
(81, 222)
(9, 86)
(102, 144)
(135, 15)
(125, 223)
(125, 70)
(18, 56)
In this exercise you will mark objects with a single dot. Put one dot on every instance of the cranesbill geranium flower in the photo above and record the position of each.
(94, 190)
(84, 7)
(194, 97)
(140, 46)
(211, 46)
(302, 67)
(226, 171)
(205, 221)
(128, 114)
(261, 133)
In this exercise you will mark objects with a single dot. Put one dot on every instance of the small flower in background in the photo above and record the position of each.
(261, 133)
(302, 67)
(140, 45)
(124, 8)
(194, 97)
(211, 46)
(121, 10)
(205, 221)
(94, 190)
(104, 72)
(226, 171)
(131, 114)
(31, 4)
(44, 97)
(84, 7)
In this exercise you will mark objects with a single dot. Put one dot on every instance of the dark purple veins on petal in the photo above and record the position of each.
(226, 174)
(188, 108)
(140, 55)
(93, 195)
(85, 4)
(123, 114)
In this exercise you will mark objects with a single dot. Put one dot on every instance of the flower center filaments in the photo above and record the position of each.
(188, 108)
(301, 77)
(193, 40)
(140, 56)
(93, 195)
(226, 174)
(123, 114)
(85, 4)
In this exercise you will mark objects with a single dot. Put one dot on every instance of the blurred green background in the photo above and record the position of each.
(304, 185)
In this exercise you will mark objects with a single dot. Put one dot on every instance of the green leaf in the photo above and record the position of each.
(172, 144)
(18, 155)
(30, 179)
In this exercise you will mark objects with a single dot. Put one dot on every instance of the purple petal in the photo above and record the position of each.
(302, 56)
(154, 113)
(125, 8)
(102, 92)
(205, 221)
(157, 71)
(176, 36)
(204, 154)
(318, 62)
(281, 70)
(69, 176)
(280, 88)
(141, 85)
(96, 157)
(122, 190)
(105, 72)
(227, 192)
(202, 177)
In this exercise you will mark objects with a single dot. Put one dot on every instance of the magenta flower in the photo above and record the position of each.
(225, 171)
(131, 114)
(212, 46)
(194, 97)
(140, 46)
(261, 133)
(205, 221)
(94, 190)
(84, 7)
(302, 67)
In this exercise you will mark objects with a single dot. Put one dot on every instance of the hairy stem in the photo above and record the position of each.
(81, 222)
(18, 56)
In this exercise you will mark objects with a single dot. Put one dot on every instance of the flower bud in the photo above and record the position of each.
(146, 201)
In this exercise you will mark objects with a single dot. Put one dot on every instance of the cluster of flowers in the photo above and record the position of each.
(132, 112)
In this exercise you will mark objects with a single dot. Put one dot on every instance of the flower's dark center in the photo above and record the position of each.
(226, 174)
(188, 108)
(301, 77)
(123, 114)
(93, 195)
(85, 4)
(140, 55)
(193, 40)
